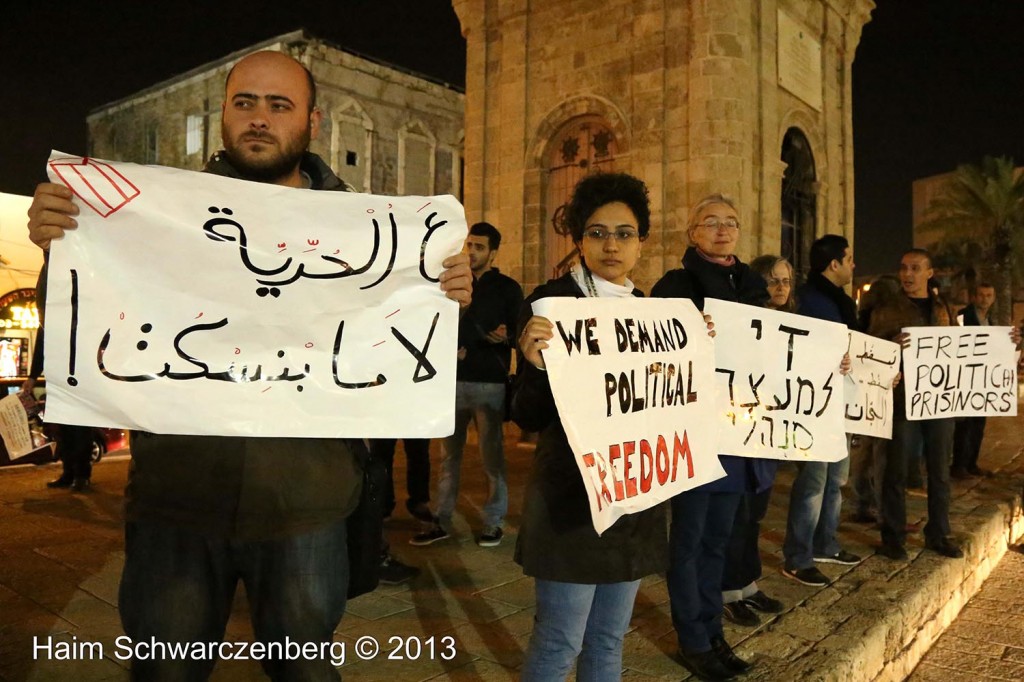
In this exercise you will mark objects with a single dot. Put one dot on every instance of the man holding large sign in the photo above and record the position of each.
(205, 510)
(916, 307)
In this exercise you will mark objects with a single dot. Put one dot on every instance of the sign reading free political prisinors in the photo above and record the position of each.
(633, 381)
(196, 304)
(780, 393)
(960, 372)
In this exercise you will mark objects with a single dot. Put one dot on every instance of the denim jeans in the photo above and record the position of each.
(701, 526)
(485, 404)
(585, 621)
(178, 586)
(937, 435)
(815, 504)
(743, 556)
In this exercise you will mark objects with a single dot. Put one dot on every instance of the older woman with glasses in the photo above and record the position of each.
(778, 275)
(702, 518)
(585, 582)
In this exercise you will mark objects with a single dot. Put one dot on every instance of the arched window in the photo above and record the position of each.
(583, 145)
(799, 199)
(417, 149)
(352, 144)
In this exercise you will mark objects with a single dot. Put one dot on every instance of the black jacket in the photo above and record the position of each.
(557, 540)
(496, 301)
(244, 488)
(697, 280)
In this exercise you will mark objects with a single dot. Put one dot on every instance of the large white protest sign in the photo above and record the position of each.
(633, 381)
(960, 372)
(874, 365)
(192, 303)
(780, 393)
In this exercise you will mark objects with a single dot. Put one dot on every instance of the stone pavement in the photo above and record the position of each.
(986, 642)
(61, 556)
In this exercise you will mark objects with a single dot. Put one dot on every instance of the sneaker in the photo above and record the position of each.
(428, 537)
(894, 552)
(945, 547)
(491, 537)
(841, 557)
(740, 613)
(394, 572)
(762, 602)
(808, 576)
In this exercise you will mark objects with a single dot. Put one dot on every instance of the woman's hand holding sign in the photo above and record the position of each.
(536, 334)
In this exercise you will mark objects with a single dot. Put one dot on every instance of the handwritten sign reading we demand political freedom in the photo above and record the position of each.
(196, 304)
(960, 372)
(633, 381)
(780, 390)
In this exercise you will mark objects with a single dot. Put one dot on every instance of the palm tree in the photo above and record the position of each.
(984, 205)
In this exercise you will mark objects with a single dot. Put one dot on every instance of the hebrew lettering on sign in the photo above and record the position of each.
(780, 391)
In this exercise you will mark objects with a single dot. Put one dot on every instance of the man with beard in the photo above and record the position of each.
(205, 511)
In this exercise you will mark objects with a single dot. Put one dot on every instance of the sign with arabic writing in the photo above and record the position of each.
(874, 365)
(196, 304)
(780, 393)
(960, 372)
(633, 381)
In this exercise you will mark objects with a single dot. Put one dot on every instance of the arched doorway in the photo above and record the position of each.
(799, 199)
(583, 145)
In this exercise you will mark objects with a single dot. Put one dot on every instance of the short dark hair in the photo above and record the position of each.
(309, 81)
(594, 191)
(984, 284)
(826, 249)
(920, 252)
(489, 231)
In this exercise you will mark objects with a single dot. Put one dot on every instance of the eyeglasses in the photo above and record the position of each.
(714, 223)
(772, 282)
(600, 234)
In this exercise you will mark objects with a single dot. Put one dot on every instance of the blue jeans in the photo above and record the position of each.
(815, 504)
(484, 403)
(701, 527)
(178, 586)
(585, 621)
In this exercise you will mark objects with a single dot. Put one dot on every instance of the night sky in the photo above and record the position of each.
(936, 82)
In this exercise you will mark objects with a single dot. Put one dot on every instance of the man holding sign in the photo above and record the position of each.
(917, 307)
(205, 511)
(816, 500)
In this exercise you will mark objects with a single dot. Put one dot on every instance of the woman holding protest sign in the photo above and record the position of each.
(585, 583)
(702, 518)
(742, 598)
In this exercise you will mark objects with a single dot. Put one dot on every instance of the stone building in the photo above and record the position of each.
(748, 97)
(385, 130)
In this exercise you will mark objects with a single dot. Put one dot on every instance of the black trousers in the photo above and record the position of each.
(938, 441)
(417, 473)
(742, 556)
(967, 437)
(74, 447)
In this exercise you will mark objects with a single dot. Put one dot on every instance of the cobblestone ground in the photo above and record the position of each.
(986, 642)
(61, 556)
